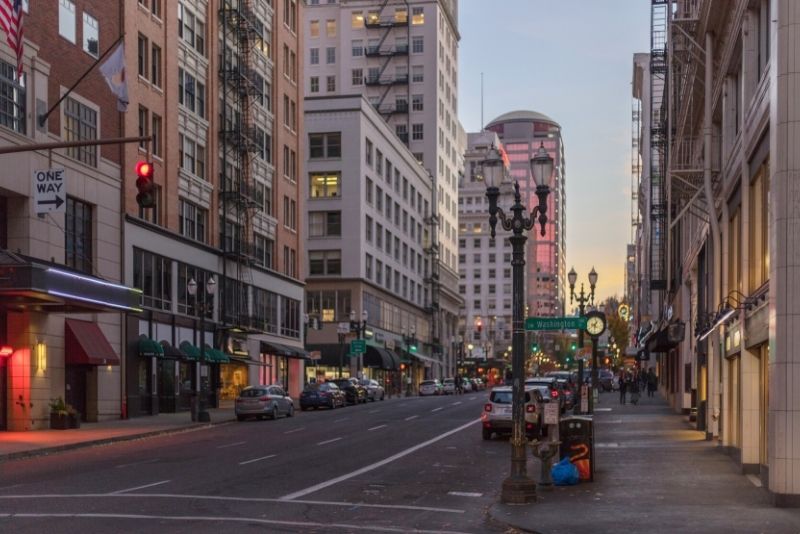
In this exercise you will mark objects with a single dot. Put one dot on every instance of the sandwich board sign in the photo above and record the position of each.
(49, 191)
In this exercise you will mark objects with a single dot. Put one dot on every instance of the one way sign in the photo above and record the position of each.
(49, 190)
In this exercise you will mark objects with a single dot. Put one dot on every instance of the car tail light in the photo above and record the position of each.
(529, 426)
(554, 394)
(487, 407)
(265, 398)
(530, 408)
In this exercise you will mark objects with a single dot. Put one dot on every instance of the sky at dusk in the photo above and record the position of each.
(571, 60)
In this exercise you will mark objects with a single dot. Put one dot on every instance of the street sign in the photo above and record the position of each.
(551, 413)
(343, 328)
(358, 346)
(315, 355)
(49, 191)
(555, 323)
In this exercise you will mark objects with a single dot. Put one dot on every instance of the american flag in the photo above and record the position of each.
(11, 21)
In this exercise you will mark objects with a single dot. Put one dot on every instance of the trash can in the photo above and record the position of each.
(194, 404)
(577, 443)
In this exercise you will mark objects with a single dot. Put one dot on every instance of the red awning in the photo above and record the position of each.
(85, 344)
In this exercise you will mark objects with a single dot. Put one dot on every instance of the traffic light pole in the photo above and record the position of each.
(72, 144)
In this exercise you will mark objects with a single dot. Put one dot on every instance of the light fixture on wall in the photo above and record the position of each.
(41, 356)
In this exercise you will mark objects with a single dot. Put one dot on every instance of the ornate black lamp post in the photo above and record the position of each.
(518, 488)
(360, 329)
(191, 288)
(410, 341)
(583, 298)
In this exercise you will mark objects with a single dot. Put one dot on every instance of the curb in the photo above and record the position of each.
(107, 441)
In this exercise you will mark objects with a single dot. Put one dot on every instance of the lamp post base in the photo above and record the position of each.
(518, 490)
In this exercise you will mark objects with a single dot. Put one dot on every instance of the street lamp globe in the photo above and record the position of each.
(541, 166)
(493, 168)
(593, 277)
(211, 286)
(364, 315)
(352, 315)
(572, 276)
(191, 287)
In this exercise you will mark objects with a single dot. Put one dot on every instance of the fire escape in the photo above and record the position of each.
(382, 52)
(238, 144)
(658, 143)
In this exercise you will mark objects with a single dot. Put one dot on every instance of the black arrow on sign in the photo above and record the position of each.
(58, 201)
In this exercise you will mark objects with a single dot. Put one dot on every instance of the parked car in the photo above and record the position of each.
(263, 401)
(615, 383)
(375, 391)
(353, 392)
(496, 415)
(326, 395)
(430, 387)
(605, 379)
(556, 392)
(449, 386)
(466, 385)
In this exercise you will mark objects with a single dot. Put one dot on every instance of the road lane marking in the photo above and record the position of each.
(755, 480)
(410, 418)
(376, 465)
(295, 430)
(465, 493)
(140, 487)
(376, 427)
(150, 461)
(455, 403)
(606, 445)
(232, 499)
(473, 398)
(231, 444)
(342, 419)
(328, 441)
(436, 409)
(602, 409)
(373, 411)
(258, 459)
(223, 519)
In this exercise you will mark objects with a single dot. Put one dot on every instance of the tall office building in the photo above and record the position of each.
(403, 57)
(522, 133)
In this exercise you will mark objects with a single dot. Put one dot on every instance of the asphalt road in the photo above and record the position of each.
(402, 465)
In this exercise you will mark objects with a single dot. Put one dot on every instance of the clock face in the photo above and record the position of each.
(595, 325)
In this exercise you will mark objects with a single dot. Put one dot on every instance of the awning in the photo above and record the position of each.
(331, 353)
(424, 358)
(170, 351)
(192, 352)
(216, 355)
(85, 344)
(30, 284)
(148, 347)
(667, 338)
(381, 358)
(279, 349)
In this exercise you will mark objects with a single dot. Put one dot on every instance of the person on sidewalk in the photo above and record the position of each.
(634, 389)
(652, 383)
(623, 386)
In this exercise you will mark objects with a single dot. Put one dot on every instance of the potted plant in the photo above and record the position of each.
(59, 414)
(73, 417)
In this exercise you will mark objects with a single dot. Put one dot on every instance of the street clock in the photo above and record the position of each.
(595, 323)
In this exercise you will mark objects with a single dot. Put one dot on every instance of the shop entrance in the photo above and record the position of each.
(75, 388)
(3, 393)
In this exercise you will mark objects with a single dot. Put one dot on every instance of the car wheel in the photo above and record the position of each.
(487, 434)
(382, 396)
(290, 413)
(274, 414)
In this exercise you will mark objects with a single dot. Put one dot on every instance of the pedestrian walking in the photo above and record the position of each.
(634, 387)
(652, 383)
(623, 386)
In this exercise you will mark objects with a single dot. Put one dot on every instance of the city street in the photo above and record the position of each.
(393, 466)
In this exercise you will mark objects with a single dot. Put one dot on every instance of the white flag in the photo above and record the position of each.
(113, 70)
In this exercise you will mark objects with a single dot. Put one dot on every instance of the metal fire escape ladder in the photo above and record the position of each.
(239, 142)
(658, 143)
(387, 25)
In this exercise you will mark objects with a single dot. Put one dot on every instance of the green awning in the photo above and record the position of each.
(216, 355)
(192, 352)
(148, 347)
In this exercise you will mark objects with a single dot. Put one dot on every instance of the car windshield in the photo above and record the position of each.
(449, 381)
(428, 383)
(504, 397)
(251, 393)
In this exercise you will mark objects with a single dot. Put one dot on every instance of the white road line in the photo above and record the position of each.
(473, 398)
(376, 465)
(258, 459)
(436, 409)
(602, 409)
(150, 461)
(410, 418)
(342, 419)
(376, 427)
(295, 430)
(755, 480)
(465, 493)
(373, 411)
(455, 403)
(606, 445)
(232, 499)
(223, 519)
(140, 487)
(328, 441)
(231, 444)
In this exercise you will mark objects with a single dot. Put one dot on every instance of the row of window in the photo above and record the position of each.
(383, 240)
(68, 27)
(358, 20)
(393, 280)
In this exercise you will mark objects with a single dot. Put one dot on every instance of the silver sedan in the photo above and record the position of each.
(263, 401)
(374, 389)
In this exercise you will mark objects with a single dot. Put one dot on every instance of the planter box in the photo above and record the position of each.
(59, 421)
(74, 420)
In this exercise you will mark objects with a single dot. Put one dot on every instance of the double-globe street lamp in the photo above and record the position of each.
(583, 298)
(360, 329)
(211, 287)
(518, 488)
(410, 341)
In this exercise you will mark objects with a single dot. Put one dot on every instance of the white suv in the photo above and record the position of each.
(496, 416)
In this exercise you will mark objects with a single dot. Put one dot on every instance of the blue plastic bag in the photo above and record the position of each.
(564, 473)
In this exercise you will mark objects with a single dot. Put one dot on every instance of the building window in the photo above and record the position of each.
(290, 14)
(368, 228)
(155, 8)
(290, 317)
(357, 19)
(417, 132)
(368, 267)
(369, 190)
(324, 223)
(152, 215)
(325, 145)
(202, 300)
(78, 235)
(417, 16)
(80, 124)
(759, 229)
(358, 48)
(91, 35)
(324, 262)
(325, 185)
(192, 156)
(330, 28)
(358, 76)
(417, 44)
(263, 249)
(155, 66)
(289, 213)
(368, 152)
(142, 55)
(313, 29)
(191, 29)
(314, 84)
(330, 55)
(66, 20)
(417, 74)
(12, 98)
(191, 93)
(192, 221)
(331, 83)
(153, 275)
(417, 102)
(144, 125)
(314, 56)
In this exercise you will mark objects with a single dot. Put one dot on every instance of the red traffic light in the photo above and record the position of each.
(145, 185)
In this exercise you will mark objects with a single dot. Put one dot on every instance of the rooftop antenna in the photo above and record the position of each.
(482, 102)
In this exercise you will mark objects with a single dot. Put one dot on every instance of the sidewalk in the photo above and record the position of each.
(38, 442)
(653, 473)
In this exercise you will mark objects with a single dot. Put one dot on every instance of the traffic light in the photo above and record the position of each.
(534, 347)
(402, 367)
(574, 346)
(145, 185)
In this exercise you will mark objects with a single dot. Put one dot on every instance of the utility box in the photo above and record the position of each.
(577, 443)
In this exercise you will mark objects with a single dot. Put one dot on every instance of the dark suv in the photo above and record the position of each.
(353, 393)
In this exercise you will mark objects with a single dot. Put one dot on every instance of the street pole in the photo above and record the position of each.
(594, 374)
(341, 353)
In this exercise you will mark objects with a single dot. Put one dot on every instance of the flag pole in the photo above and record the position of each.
(43, 117)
